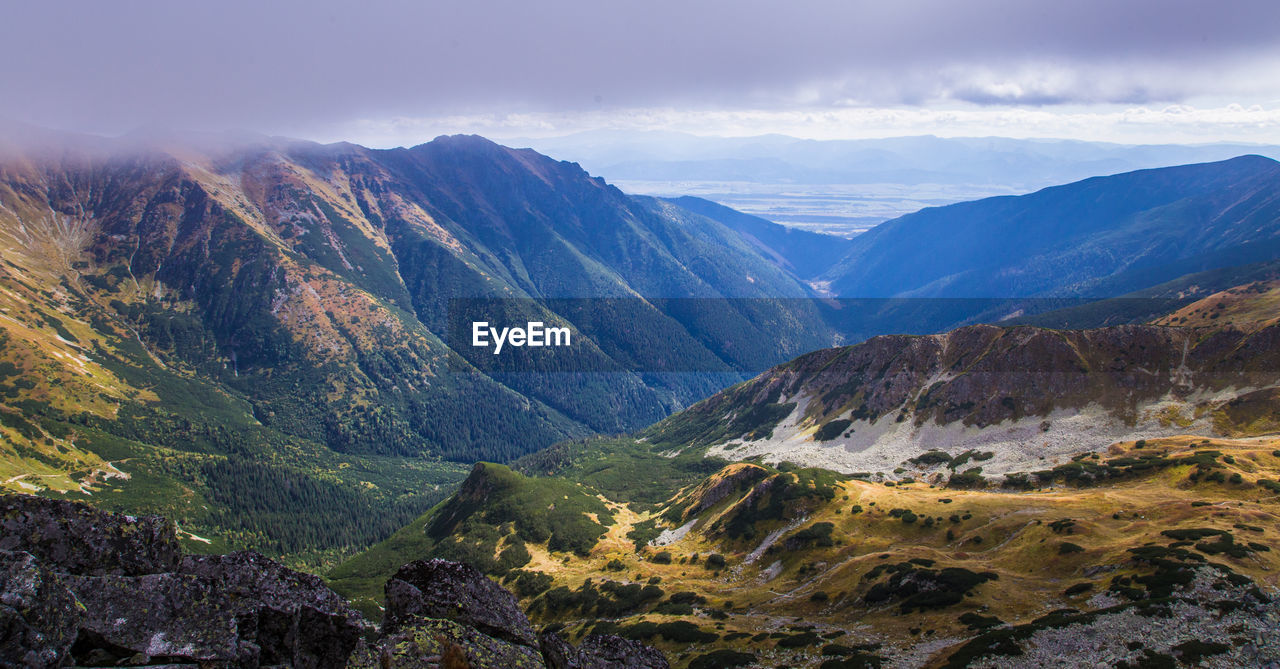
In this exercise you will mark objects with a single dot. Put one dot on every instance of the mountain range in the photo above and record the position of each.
(223, 313)
(974, 498)
(228, 330)
(1022, 164)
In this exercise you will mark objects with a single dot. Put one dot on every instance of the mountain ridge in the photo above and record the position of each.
(1005, 246)
(184, 320)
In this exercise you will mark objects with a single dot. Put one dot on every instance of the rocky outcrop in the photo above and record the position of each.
(437, 609)
(77, 539)
(458, 592)
(38, 614)
(599, 651)
(608, 651)
(84, 587)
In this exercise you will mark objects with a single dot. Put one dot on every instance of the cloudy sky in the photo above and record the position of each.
(388, 73)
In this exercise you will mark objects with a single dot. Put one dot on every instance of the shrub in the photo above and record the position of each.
(832, 429)
(714, 561)
(1067, 548)
(801, 640)
(529, 583)
(975, 621)
(673, 609)
(971, 478)
(683, 631)
(722, 659)
(1191, 652)
(817, 533)
(1077, 589)
(929, 458)
(663, 557)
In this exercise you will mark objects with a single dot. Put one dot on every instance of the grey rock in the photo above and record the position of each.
(101, 589)
(457, 592)
(556, 652)
(38, 615)
(160, 617)
(74, 538)
(236, 610)
(599, 652)
(431, 643)
(607, 651)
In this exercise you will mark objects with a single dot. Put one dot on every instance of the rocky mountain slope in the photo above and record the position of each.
(228, 330)
(86, 588)
(1020, 396)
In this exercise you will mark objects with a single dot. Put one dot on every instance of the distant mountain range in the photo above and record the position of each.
(845, 187)
(1023, 164)
(1095, 238)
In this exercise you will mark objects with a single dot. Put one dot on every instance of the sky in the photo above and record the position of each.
(387, 73)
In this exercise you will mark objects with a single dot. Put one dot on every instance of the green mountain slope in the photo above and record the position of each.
(753, 563)
(231, 332)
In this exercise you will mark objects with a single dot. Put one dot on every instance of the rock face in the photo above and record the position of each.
(600, 651)
(85, 587)
(1033, 392)
(81, 586)
(441, 613)
(73, 538)
(458, 592)
(38, 615)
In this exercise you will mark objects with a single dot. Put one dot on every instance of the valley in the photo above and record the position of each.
(959, 449)
(948, 555)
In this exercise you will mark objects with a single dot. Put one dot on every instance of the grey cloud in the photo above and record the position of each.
(289, 65)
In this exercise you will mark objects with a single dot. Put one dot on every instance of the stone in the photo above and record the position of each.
(433, 643)
(458, 592)
(73, 538)
(607, 651)
(38, 614)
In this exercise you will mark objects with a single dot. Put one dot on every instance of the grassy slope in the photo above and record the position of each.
(1008, 532)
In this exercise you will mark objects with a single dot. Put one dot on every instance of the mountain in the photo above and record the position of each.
(1129, 491)
(804, 253)
(1100, 237)
(846, 187)
(1011, 397)
(1162, 548)
(227, 329)
(1021, 163)
(1154, 303)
